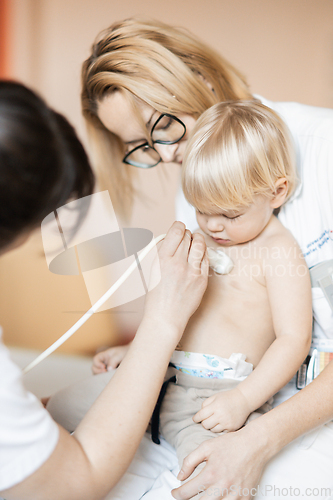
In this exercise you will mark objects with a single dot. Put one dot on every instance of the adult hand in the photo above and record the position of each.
(184, 270)
(234, 464)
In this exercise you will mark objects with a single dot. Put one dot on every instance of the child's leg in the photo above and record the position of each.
(177, 427)
(69, 406)
(189, 440)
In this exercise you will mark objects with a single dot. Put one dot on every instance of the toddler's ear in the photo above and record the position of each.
(280, 193)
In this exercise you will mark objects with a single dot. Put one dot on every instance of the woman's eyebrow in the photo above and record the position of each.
(147, 125)
(151, 117)
(134, 141)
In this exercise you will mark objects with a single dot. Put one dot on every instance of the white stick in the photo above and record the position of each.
(94, 308)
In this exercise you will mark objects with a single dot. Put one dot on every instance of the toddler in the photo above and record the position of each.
(252, 330)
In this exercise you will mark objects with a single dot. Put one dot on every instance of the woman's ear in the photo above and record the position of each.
(280, 193)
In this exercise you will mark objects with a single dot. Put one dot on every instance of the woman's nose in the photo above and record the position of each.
(167, 151)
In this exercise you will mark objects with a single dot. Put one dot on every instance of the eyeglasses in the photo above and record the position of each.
(167, 130)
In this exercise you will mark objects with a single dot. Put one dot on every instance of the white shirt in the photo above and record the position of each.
(309, 214)
(28, 435)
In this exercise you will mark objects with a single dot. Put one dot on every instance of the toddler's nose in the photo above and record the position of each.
(167, 151)
(215, 224)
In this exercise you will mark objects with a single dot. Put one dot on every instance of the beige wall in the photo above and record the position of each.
(284, 47)
(36, 306)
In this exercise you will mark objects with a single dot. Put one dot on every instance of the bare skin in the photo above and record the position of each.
(236, 308)
(241, 312)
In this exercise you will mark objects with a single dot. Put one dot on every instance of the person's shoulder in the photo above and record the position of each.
(277, 236)
(304, 120)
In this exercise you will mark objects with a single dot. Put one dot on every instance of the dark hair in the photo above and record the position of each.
(42, 162)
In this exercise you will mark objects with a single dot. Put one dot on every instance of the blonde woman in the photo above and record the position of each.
(144, 86)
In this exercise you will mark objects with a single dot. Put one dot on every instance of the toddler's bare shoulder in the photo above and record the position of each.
(278, 236)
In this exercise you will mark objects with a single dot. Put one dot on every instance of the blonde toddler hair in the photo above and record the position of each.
(237, 150)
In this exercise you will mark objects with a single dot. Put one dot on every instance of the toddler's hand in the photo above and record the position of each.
(226, 411)
(110, 359)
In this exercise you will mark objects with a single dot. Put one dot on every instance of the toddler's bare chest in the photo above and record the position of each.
(245, 281)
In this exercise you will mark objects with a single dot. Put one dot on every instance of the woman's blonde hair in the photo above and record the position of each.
(237, 150)
(165, 67)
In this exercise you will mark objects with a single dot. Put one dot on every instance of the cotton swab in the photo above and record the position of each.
(93, 308)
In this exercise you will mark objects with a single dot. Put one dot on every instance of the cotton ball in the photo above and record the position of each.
(219, 261)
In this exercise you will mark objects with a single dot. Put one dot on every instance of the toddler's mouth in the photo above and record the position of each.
(221, 241)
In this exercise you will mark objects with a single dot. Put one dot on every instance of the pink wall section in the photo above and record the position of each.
(284, 47)
(4, 35)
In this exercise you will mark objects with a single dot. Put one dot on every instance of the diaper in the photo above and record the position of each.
(212, 366)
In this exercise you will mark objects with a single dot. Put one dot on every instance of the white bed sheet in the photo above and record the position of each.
(151, 475)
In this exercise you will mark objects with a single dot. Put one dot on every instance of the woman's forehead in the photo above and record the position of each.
(117, 113)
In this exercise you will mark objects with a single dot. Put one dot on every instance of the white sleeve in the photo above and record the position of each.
(28, 435)
(309, 215)
(185, 212)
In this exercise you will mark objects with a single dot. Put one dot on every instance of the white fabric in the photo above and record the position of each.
(305, 465)
(153, 469)
(28, 435)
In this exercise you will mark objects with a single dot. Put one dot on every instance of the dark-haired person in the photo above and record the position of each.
(42, 165)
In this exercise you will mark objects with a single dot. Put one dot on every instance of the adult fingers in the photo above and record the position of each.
(173, 239)
(193, 459)
(191, 489)
(197, 252)
(205, 265)
(194, 486)
(185, 245)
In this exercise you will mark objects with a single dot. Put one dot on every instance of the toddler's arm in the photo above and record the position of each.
(289, 292)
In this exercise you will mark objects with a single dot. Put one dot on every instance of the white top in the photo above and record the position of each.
(28, 435)
(309, 214)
